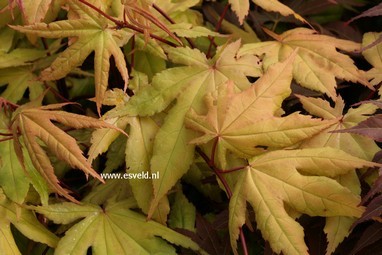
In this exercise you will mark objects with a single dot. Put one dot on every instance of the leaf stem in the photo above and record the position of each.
(219, 173)
(121, 24)
(6, 139)
(169, 19)
(217, 27)
(5, 134)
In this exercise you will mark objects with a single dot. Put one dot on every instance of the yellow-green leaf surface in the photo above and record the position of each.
(245, 121)
(20, 57)
(116, 229)
(172, 154)
(18, 80)
(93, 32)
(317, 63)
(337, 228)
(373, 56)
(25, 221)
(139, 149)
(34, 124)
(13, 180)
(183, 213)
(276, 178)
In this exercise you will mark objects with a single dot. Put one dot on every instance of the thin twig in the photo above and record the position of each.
(169, 19)
(120, 24)
(6, 134)
(219, 173)
(6, 139)
(217, 27)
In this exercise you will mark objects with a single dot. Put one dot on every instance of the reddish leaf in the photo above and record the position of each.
(374, 209)
(371, 235)
(370, 128)
(374, 11)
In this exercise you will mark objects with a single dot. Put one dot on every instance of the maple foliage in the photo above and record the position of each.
(207, 127)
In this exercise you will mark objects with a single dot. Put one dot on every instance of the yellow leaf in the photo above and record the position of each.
(276, 178)
(247, 122)
(93, 32)
(317, 63)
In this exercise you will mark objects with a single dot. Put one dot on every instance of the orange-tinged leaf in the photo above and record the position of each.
(337, 228)
(317, 63)
(93, 32)
(275, 178)
(248, 121)
(34, 124)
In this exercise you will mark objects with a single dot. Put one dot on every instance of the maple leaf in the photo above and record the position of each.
(116, 229)
(34, 124)
(247, 121)
(297, 179)
(337, 228)
(317, 63)
(93, 32)
(241, 8)
(172, 154)
(25, 221)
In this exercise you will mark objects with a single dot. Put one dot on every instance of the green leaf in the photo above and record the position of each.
(116, 229)
(20, 57)
(25, 221)
(183, 213)
(18, 80)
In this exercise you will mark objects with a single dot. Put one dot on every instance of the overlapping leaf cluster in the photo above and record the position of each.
(207, 114)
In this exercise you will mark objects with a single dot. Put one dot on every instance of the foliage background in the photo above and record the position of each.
(261, 117)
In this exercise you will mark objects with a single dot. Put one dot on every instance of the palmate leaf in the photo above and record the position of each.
(115, 229)
(25, 221)
(93, 32)
(275, 179)
(246, 122)
(317, 63)
(172, 154)
(337, 228)
(34, 124)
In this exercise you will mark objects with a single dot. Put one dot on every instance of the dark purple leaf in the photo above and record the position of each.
(371, 235)
(372, 127)
(374, 11)
(207, 234)
(374, 209)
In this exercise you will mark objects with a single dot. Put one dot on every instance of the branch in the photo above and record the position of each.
(219, 173)
(121, 24)
(217, 27)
